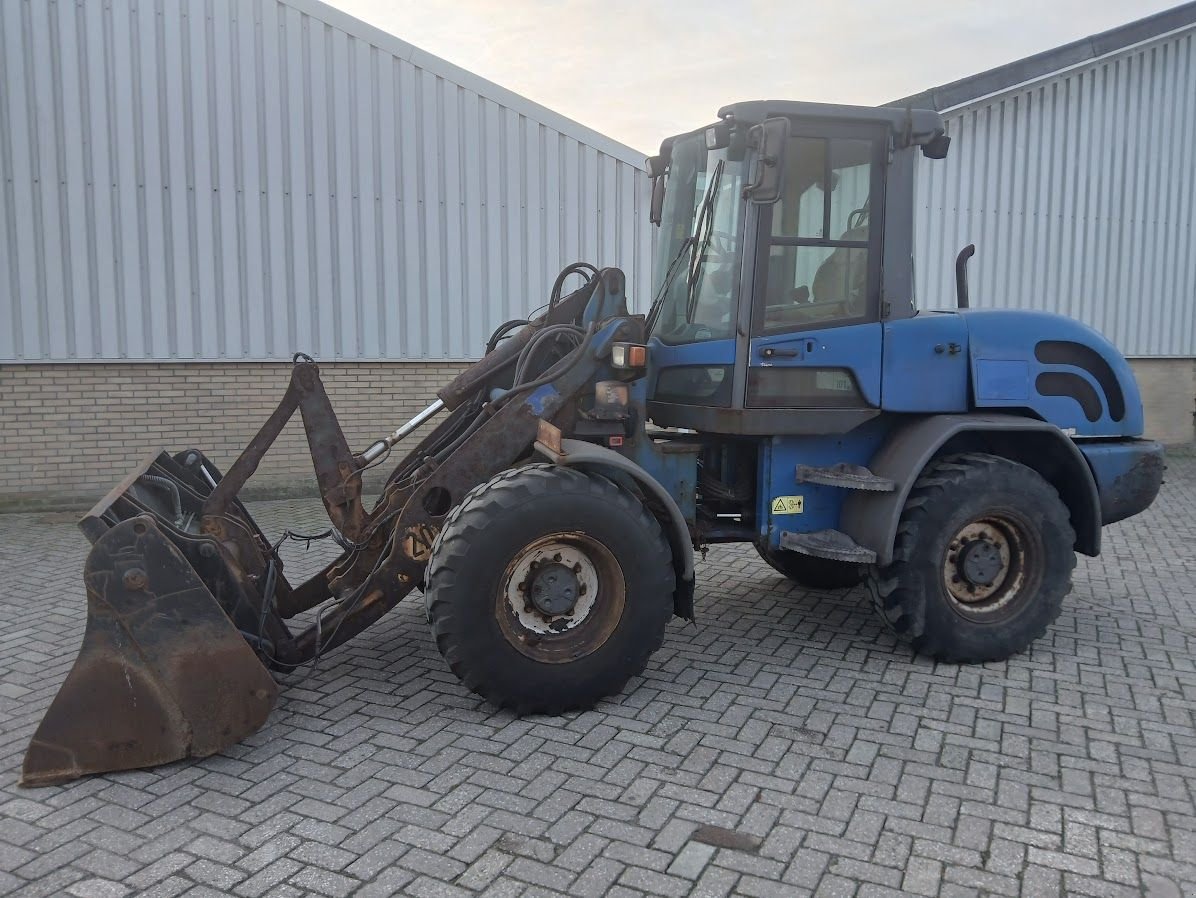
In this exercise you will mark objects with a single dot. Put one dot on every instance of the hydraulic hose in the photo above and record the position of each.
(501, 331)
(542, 337)
(576, 268)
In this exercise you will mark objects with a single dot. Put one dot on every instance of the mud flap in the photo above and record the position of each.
(162, 674)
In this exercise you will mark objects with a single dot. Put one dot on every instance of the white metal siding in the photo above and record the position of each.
(240, 179)
(1079, 192)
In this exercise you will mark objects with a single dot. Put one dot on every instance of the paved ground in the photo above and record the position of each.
(845, 765)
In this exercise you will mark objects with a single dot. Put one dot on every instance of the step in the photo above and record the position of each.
(832, 544)
(847, 476)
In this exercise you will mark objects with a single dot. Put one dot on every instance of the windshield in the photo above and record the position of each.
(703, 192)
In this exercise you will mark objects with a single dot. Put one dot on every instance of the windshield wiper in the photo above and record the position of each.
(701, 243)
(669, 277)
(689, 243)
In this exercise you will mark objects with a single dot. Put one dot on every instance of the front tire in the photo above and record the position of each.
(548, 589)
(981, 563)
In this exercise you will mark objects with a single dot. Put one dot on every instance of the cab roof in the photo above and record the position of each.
(920, 124)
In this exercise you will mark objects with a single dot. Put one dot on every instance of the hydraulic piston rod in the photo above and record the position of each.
(382, 445)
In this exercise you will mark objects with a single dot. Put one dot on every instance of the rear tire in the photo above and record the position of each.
(815, 573)
(981, 563)
(548, 589)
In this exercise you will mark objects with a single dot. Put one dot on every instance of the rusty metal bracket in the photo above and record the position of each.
(337, 470)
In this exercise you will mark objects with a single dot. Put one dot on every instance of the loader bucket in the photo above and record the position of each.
(163, 674)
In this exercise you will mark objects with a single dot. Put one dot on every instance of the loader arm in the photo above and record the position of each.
(181, 580)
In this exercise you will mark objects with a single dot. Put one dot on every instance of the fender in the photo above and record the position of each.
(580, 454)
(871, 519)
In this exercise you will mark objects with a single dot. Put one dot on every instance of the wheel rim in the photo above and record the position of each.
(985, 569)
(560, 597)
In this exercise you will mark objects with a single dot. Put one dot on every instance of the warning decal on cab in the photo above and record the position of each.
(787, 505)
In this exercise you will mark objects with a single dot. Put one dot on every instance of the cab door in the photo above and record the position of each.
(816, 336)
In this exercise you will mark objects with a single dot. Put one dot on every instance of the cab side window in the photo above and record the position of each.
(820, 245)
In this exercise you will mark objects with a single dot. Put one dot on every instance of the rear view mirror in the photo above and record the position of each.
(657, 210)
(769, 138)
(936, 147)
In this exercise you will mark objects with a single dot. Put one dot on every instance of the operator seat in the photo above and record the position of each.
(839, 288)
(842, 278)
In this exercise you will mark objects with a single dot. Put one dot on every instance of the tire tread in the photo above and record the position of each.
(467, 523)
(901, 606)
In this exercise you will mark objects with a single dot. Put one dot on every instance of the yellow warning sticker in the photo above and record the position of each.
(787, 505)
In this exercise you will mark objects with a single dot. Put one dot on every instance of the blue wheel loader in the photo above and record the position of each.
(781, 390)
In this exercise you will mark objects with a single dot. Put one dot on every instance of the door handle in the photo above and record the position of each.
(773, 352)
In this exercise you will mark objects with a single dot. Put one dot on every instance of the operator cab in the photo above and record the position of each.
(785, 241)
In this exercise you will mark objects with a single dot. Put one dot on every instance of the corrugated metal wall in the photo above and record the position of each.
(1079, 192)
(240, 179)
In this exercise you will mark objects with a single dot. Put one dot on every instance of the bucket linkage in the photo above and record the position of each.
(187, 602)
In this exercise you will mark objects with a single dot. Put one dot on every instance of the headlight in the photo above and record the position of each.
(628, 355)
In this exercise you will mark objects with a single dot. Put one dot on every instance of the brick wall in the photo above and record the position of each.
(70, 432)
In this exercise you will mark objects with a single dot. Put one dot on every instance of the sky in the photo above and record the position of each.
(640, 71)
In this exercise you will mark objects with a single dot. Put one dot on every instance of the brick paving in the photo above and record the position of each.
(841, 764)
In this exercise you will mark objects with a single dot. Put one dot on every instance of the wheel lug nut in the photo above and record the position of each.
(577, 568)
(556, 557)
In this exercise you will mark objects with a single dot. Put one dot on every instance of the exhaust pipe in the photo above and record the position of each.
(962, 300)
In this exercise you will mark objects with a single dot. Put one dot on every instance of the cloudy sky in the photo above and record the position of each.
(639, 71)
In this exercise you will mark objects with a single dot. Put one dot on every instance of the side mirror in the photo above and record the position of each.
(769, 138)
(656, 212)
(936, 147)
